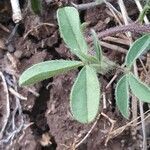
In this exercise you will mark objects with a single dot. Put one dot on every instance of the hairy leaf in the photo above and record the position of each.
(122, 96)
(70, 29)
(139, 89)
(97, 46)
(47, 69)
(104, 67)
(85, 95)
(36, 6)
(140, 46)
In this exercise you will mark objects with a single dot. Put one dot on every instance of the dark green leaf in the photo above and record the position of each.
(36, 6)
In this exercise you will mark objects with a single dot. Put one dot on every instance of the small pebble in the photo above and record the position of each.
(18, 54)
(10, 48)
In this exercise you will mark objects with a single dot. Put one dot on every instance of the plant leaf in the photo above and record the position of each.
(70, 29)
(122, 96)
(85, 95)
(97, 46)
(36, 6)
(139, 89)
(139, 46)
(47, 69)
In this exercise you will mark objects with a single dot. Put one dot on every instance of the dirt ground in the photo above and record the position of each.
(43, 120)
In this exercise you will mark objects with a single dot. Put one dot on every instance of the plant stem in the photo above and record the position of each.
(133, 27)
(87, 5)
(144, 11)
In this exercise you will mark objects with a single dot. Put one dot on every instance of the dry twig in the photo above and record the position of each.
(38, 26)
(89, 132)
(17, 16)
(6, 115)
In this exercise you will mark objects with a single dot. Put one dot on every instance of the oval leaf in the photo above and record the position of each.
(85, 95)
(47, 69)
(139, 46)
(139, 89)
(36, 6)
(122, 96)
(70, 29)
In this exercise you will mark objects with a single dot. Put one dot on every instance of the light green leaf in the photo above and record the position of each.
(122, 96)
(97, 46)
(70, 29)
(85, 95)
(139, 46)
(36, 6)
(47, 69)
(139, 89)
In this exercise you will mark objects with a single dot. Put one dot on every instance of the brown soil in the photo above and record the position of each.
(46, 110)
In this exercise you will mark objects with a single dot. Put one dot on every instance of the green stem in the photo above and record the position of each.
(144, 12)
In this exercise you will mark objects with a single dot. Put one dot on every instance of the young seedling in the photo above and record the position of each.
(85, 93)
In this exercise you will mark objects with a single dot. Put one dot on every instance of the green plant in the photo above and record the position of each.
(36, 6)
(129, 81)
(85, 93)
(145, 11)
